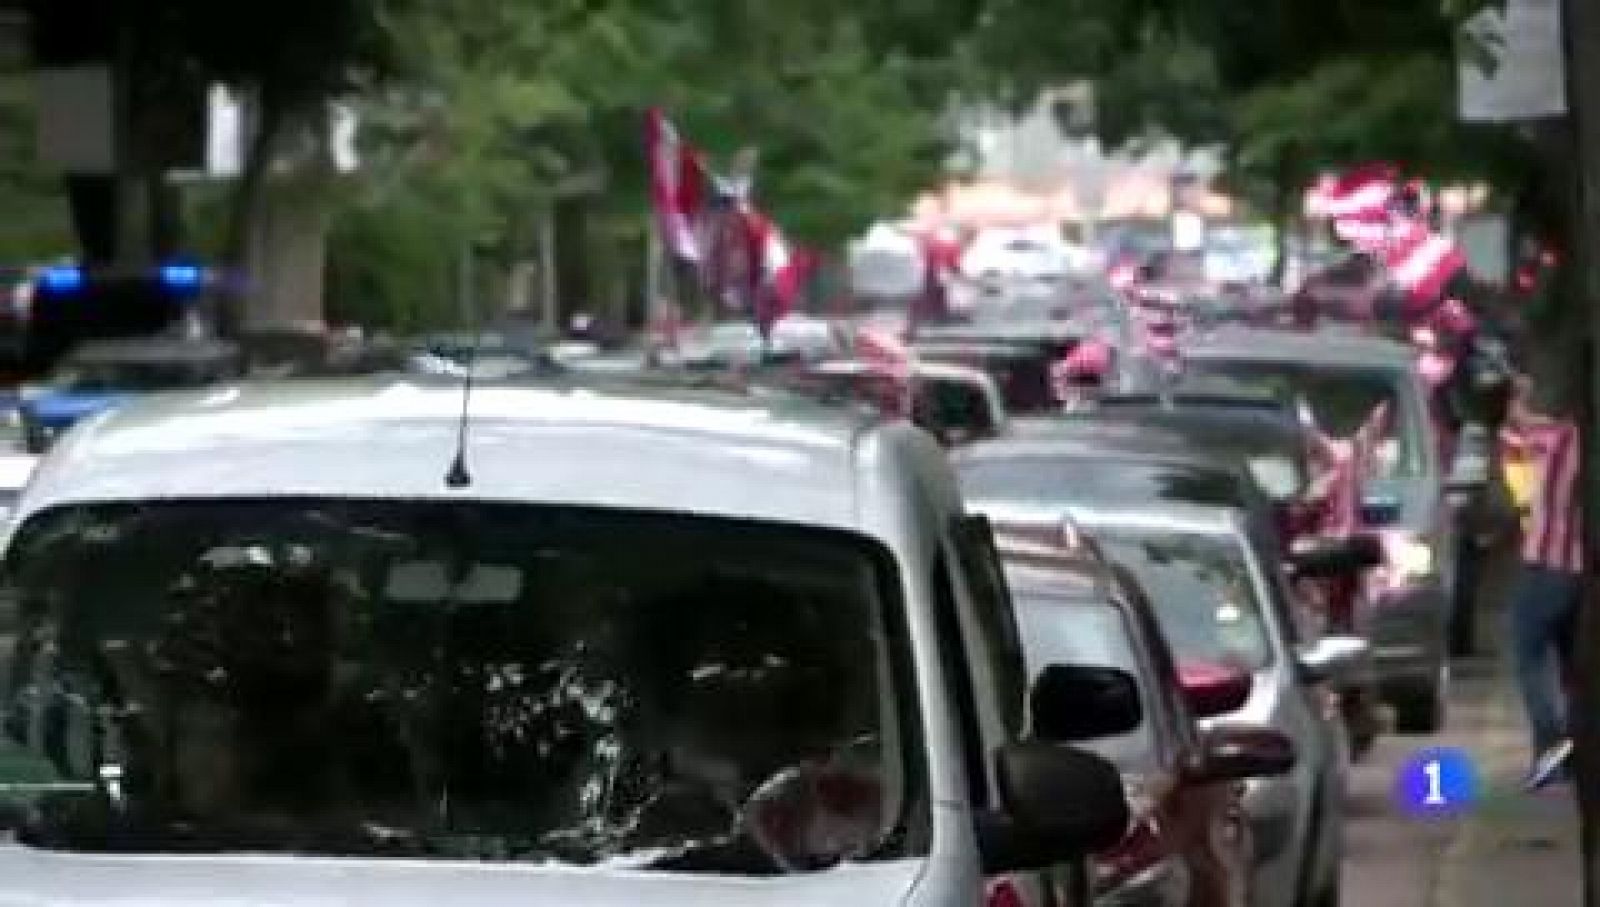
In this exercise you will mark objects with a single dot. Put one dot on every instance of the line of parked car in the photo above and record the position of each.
(600, 632)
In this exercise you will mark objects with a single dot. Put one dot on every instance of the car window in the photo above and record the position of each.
(1057, 630)
(952, 404)
(1201, 588)
(1002, 641)
(1175, 722)
(448, 680)
(1341, 399)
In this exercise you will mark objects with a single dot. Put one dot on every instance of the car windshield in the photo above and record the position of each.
(1202, 592)
(1341, 399)
(444, 680)
(1057, 630)
(1093, 481)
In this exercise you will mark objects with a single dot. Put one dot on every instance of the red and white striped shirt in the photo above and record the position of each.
(1554, 534)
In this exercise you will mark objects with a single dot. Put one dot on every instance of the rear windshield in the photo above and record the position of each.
(1087, 481)
(1022, 375)
(941, 404)
(1277, 459)
(450, 680)
(1058, 630)
(1202, 591)
(1341, 399)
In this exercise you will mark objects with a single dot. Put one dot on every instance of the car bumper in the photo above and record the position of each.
(1406, 629)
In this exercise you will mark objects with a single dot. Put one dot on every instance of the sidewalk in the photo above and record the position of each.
(1515, 848)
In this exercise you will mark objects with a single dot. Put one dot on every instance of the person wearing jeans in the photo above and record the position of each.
(1544, 603)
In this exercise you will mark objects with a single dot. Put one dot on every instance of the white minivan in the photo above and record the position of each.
(329, 642)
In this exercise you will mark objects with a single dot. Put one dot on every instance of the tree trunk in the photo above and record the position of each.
(230, 313)
(1285, 189)
(572, 259)
(1581, 28)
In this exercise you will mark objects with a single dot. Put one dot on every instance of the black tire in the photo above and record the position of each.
(1421, 709)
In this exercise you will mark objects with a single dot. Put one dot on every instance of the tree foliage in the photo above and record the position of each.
(497, 108)
(1285, 86)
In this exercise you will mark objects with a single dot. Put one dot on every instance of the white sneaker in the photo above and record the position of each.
(1549, 764)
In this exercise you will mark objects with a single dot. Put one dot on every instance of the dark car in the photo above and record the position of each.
(1023, 372)
(1190, 843)
(956, 404)
(1261, 431)
(102, 374)
(1342, 380)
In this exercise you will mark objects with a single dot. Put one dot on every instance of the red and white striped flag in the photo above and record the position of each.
(1355, 194)
(777, 282)
(883, 351)
(677, 187)
(1421, 262)
(887, 356)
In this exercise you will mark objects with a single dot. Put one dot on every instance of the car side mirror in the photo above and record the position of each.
(1074, 703)
(1332, 657)
(1059, 804)
(1240, 752)
(1326, 558)
(1213, 690)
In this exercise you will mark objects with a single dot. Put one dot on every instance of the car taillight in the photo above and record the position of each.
(1004, 894)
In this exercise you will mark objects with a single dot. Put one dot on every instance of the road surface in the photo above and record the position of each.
(1513, 849)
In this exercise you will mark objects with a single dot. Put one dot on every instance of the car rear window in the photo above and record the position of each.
(1089, 481)
(448, 680)
(1341, 399)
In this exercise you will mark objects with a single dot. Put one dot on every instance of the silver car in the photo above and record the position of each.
(1220, 599)
(329, 642)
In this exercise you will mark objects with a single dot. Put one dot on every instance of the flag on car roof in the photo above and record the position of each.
(677, 187)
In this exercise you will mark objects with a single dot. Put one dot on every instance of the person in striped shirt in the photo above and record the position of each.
(1544, 603)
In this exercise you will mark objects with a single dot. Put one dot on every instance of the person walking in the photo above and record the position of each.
(1545, 595)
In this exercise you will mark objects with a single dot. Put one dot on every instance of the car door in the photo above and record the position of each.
(983, 618)
(1206, 821)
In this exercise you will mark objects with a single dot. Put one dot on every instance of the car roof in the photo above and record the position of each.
(1266, 345)
(1199, 519)
(153, 349)
(1007, 331)
(922, 369)
(1078, 436)
(1199, 420)
(16, 469)
(778, 458)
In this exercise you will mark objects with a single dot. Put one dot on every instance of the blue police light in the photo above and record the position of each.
(62, 278)
(182, 277)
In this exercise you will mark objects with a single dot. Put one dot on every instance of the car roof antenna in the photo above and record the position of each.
(458, 475)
